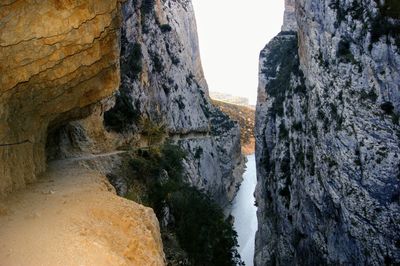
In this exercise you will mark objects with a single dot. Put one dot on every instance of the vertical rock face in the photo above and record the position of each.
(289, 17)
(327, 137)
(76, 64)
(56, 58)
(162, 80)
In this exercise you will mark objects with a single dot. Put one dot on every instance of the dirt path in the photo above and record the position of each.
(72, 216)
(90, 157)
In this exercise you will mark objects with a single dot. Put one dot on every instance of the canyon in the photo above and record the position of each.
(83, 84)
(105, 112)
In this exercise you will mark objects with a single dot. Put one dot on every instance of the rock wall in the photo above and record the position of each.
(289, 17)
(61, 62)
(76, 67)
(56, 58)
(327, 137)
(245, 116)
(167, 86)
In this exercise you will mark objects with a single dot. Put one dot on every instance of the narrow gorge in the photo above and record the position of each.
(112, 151)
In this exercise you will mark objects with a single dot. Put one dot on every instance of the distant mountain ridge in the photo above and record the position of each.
(245, 116)
(229, 98)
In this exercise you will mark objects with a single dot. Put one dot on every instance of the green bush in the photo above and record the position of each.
(158, 66)
(387, 107)
(198, 153)
(132, 65)
(283, 132)
(344, 52)
(165, 28)
(181, 104)
(283, 54)
(147, 6)
(391, 8)
(154, 133)
(124, 113)
(199, 224)
(297, 126)
(386, 23)
(202, 230)
(285, 192)
(370, 95)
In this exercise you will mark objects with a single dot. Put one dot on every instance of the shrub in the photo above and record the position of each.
(157, 63)
(285, 192)
(175, 60)
(181, 104)
(165, 28)
(202, 230)
(310, 159)
(132, 66)
(166, 89)
(147, 6)
(344, 52)
(300, 158)
(189, 78)
(386, 23)
(198, 153)
(297, 126)
(395, 119)
(153, 132)
(391, 8)
(371, 95)
(283, 132)
(387, 107)
(124, 113)
(199, 224)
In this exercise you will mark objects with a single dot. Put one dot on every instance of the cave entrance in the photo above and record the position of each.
(66, 137)
(66, 141)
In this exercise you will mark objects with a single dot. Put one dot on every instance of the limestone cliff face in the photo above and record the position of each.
(327, 137)
(56, 58)
(162, 80)
(289, 17)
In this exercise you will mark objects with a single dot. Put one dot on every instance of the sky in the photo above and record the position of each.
(231, 34)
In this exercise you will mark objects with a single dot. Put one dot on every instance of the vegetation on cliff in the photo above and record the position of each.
(205, 236)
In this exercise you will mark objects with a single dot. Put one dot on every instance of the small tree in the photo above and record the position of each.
(154, 133)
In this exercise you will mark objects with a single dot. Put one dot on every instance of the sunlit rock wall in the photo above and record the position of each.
(169, 88)
(56, 58)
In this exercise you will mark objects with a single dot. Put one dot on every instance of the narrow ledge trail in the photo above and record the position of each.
(72, 216)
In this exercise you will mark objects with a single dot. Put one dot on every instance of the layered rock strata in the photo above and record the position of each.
(55, 59)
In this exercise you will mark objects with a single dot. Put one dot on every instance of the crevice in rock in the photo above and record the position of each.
(15, 143)
(60, 34)
(62, 60)
(66, 138)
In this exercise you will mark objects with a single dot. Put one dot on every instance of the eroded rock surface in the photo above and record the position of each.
(167, 86)
(56, 58)
(327, 137)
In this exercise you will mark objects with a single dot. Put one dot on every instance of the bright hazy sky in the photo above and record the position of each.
(231, 35)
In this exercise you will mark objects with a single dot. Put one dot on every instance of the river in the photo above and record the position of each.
(245, 213)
